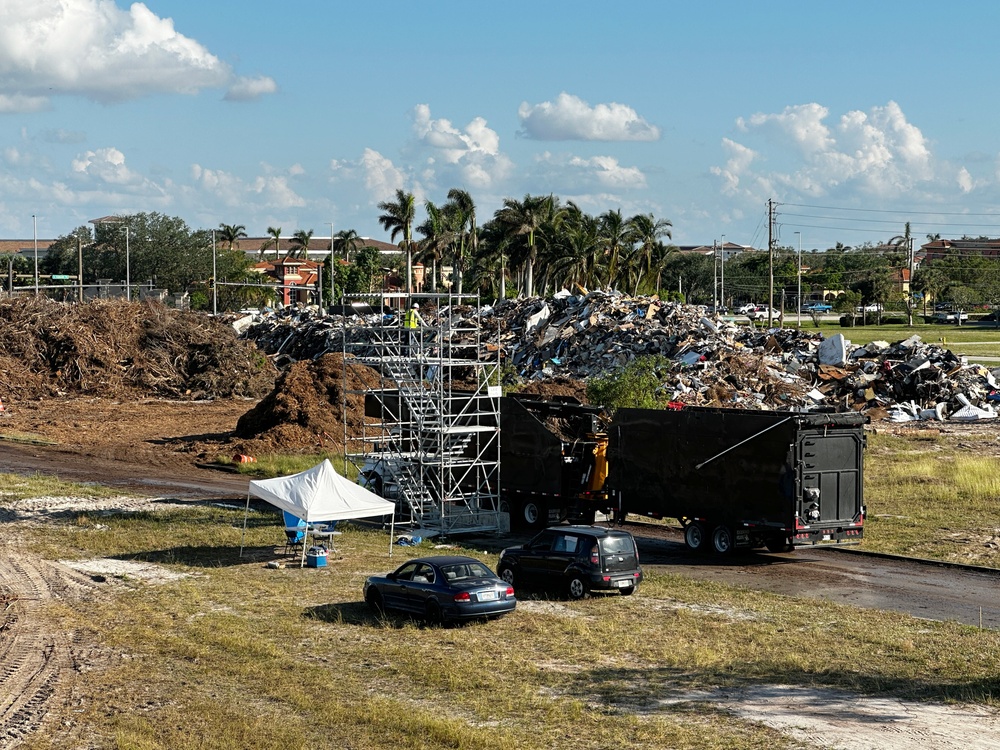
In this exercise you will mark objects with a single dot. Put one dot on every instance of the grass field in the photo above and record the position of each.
(235, 654)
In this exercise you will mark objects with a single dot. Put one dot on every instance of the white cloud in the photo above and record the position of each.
(381, 177)
(570, 118)
(470, 157)
(269, 190)
(568, 173)
(247, 89)
(965, 181)
(95, 49)
(877, 153)
(105, 165)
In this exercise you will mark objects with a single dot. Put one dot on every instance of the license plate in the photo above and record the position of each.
(487, 596)
(623, 584)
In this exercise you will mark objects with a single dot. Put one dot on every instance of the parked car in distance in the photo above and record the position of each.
(872, 307)
(745, 309)
(817, 307)
(950, 317)
(760, 313)
(575, 560)
(441, 589)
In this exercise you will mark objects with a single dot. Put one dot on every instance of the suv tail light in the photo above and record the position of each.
(595, 555)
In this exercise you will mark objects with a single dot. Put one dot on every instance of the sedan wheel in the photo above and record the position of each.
(374, 600)
(722, 540)
(433, 613)
(577, 588)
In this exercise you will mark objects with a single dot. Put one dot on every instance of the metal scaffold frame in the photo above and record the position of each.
(431, 434)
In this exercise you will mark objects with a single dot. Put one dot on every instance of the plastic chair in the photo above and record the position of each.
(295, 532)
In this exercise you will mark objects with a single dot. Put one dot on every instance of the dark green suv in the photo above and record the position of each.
(575, 560)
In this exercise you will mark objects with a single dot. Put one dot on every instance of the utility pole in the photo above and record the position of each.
(215, 281)
(715, 278)
(79, 267)
(909, 287)
(798, 314)
(770, 263)
(722, 265)
(34, 233)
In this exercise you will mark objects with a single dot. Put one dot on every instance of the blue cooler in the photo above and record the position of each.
(316, 557)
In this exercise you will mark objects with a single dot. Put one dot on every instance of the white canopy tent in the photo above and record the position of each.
(321, 494)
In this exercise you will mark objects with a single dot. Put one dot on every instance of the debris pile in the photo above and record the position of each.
(548, 344)
(117, 349)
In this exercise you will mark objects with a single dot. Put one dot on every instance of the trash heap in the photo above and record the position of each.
(710, 360)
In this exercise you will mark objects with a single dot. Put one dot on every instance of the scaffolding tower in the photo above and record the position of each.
(430, 440)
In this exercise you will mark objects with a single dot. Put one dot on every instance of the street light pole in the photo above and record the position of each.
(333, 273)
(34, 233)
(215, 281)
(128, 270)
(799, 313)
(715, 278)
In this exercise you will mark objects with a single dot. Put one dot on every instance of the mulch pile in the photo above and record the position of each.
(117, 349)
(305, 411)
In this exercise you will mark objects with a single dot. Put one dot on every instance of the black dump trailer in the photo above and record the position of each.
(552, 460)
(737, 478)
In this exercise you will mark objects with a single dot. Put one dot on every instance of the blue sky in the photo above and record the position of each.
(854, 117)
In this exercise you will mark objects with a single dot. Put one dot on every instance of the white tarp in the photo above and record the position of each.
(321, 494)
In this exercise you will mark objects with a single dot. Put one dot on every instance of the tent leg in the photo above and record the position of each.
(243, 536)
(392, 532)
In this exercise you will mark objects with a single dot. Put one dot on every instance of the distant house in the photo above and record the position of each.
(727, 250)
(296, 278)
(319, 247)
(940, 249)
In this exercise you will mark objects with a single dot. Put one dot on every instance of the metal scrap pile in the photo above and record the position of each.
(713, 361)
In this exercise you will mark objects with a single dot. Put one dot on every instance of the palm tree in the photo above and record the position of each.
(398, 219)
(614, 235)
(300, 243)
(231, 233)
(437, 238)
(275, 233)
(344, 241)
(523, 218)
(581, 251)
(463, 210)
(645, 233)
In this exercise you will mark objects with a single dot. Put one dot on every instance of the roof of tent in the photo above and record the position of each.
(321, 494)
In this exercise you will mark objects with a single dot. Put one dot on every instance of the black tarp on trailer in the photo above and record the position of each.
(762, 470)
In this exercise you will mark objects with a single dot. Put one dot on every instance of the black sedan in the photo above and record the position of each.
(441, 589)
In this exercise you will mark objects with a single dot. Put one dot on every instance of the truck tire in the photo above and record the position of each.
(531, 513)
(778, 544)
(722, 540)
(695, 536)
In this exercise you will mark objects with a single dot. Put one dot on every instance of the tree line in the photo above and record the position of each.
(535, 245)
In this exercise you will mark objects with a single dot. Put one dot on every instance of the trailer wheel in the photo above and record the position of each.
(531, 513)
(722, 540)
(778, 544)
(695, 536)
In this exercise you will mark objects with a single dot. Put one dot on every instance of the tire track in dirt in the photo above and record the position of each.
(38, 660)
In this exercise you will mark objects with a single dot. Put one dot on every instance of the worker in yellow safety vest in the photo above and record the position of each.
(412, 318)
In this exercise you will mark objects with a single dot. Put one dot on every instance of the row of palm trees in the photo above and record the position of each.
(537, 243)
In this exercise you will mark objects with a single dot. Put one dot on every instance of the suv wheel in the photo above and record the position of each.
(506, 574)
(577, 587)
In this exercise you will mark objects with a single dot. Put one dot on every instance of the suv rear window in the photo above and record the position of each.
(617, 545)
